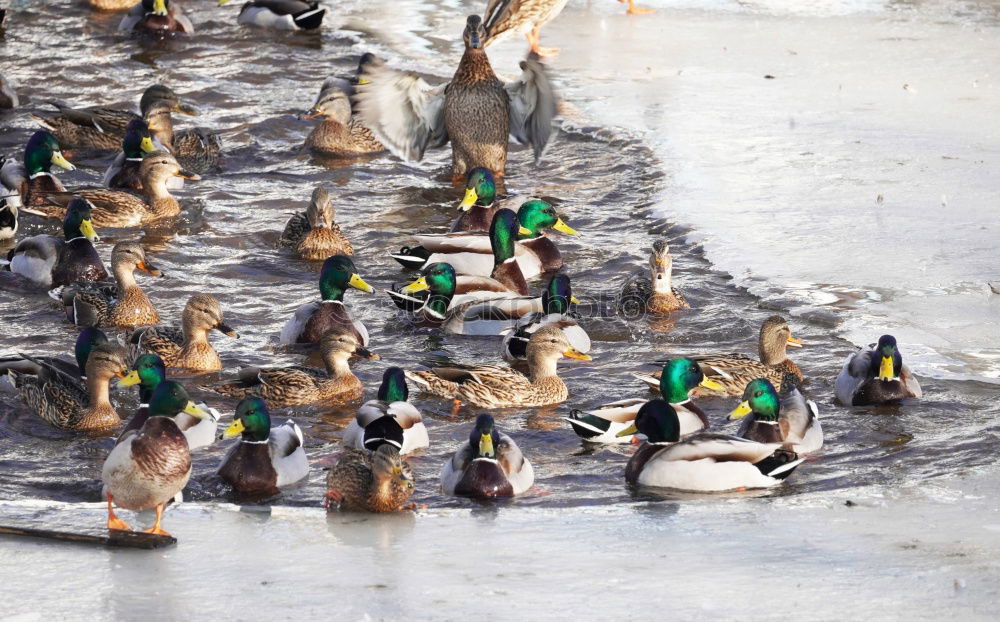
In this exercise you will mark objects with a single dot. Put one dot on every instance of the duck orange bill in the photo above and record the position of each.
(886, 370)
(187, 175)
(148, 267)
(366, 353)
(629, 431)
(235, 429)
(573, 353)
(795, 343)
(229, 332)
(742, 410)
(312, 113)
(129, 380)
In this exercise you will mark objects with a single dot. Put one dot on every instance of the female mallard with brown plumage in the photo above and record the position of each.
(502, 387)
(369, 481)
(125, 304)
(197, 149)
(488, 465)
(475, 111)
(31, 179)
(313, 320)
(156, 17)
(123, 173)
(120, 208)
(313, 234)
(734, 371)
(525, 17)
(474, 252)
(266, 458)
(187, 347)
(50, 262)
(149, 466)
(291, 386)
(70, 403)
(340, 133)
(656, 294)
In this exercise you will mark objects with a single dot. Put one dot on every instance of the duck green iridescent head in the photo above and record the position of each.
(88, 339)
(147, 372)
(76, 222)
(537, 217)
(252, 421)
(889, 359)
(480, 189)
(393, 387)
(484, 437)
(337, 275)
(138, 140)
(504, 231)
(759, 398)
(680, 377)
(169, 399)
(440, 280)
(41, 152)
(657, 420)
(558, 295)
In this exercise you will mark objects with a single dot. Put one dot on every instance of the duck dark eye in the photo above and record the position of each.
(758, 394)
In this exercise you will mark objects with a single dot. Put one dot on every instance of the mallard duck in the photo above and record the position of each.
(340, 133)
(88, 339)
(98, 304)
(473, 252)
(291, 386)
(8, 96)
(49, 261)
(703, 462)
(148, 372)
(791, 420)
(106, 127)
(479, 204)
(313, 234)
(476, 111)
(266, 458)
(187, 347)
(149, 466)
(656, 294)
(876, 375)
(506, 17)
(502, 387)
(388, 419)
(281, 14)
(31, 180)
(124, 171)
(734, 371)
(197, 150)
(488, 465)
(369, 481)
(121, 208)
(9, 213)
(112, 5)
(315, 319)
(677, 380)
(553, 311)
(69, 403)
(156, 17)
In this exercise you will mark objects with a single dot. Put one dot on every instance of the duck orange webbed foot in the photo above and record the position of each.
(634, 10)
(113, 521)
(332, 499)
(546, 52)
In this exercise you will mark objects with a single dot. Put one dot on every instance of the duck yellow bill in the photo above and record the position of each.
(193, 410)
(562, 227)
(573, 353)
(222, 2)
(159, 7)
(742, 410)
(130, 380)
(795, 343)
(363, 81)
(469, 200)
(87, 229)
(146, 144)
(522, 230)
(629, 431)
(711, 384)
(885, 370)
(420, 285)
(486, 445)
(359, 283)
(235, 429)
(574, 300)
(58, 159)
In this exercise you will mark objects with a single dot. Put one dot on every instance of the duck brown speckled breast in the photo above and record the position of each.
(477, 116)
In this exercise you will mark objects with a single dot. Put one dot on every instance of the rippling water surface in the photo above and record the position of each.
(606, 183)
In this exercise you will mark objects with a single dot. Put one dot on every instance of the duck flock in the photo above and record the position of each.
(478, 279)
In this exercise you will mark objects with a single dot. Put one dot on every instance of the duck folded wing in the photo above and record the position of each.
(405, 113)
(721, 448)
(532, 105)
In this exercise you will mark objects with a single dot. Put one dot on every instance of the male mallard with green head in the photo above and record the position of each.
(49, 261)
(790, 419)
(88, 339)
(876, 375)
(33, 179)
(476, 111)
(488, 465)
(313, 320)
(266, 458)
(479, 204)
(156, 17)
(388, 419)
(124, 171)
